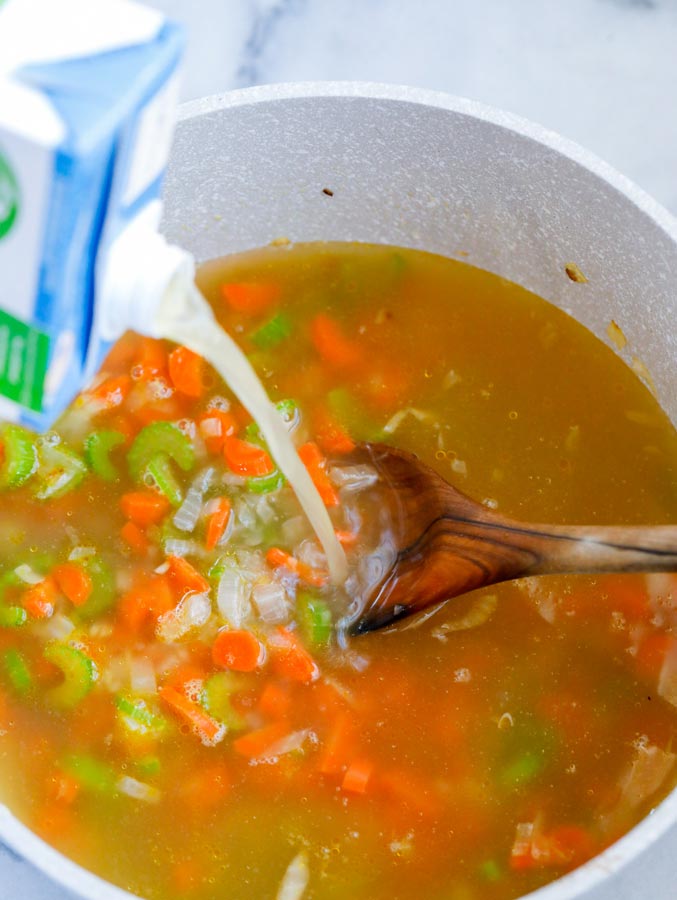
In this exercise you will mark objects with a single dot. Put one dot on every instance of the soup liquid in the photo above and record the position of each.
(444, 762)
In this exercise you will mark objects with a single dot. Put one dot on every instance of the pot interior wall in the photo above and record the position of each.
(432, 178)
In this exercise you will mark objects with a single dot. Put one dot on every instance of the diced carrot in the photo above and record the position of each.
(651, 654)
(217, 523)
(185, 577)
(276, 557)
(215, 426)
(186, 372)
(247, 459)
(185, 677)
(331, 437)
(627, 593)
(315, 462)
(255, 743)
(74, 582)
(206, 788)
(144, 507)
(250, 297)
(239, 650)
(135, 538)
(290, 659)
(63, 788)
(340, 745)
(112, 391)
(207, 729)
(275, 700)
(187, 875)
(346, 538)
(39, 600)
(357, 776)
(145, 602)
(332, 344)
(151, 359)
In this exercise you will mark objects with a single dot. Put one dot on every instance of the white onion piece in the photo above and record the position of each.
(191, 612)
(295, 879)
(81, 553)
(394, 423)
(115, 676)
(28, 575)
(138, 790)
(353, 478)
(57, 628)
(309, 552)
(186, 516)
(178, 547)
(293, 530)
(287, 744)
(142, 676)
(232, 599)
(646, 774)
(271, 603)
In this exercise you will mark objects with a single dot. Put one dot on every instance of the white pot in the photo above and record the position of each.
(424, 170)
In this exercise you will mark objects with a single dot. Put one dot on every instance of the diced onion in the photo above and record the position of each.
(288, 744)
(353, 478)
(394, 423)
(142, 676)
(81, 553)
(139, 790)
(28, 575)
(295, 880)
(178, 547)
(480, 612)
(186, 516)
(647, 773)
(271, 603)
(191, 612)
(232, 598)
(58, 627)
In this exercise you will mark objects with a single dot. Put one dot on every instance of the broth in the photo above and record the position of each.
(446, 761)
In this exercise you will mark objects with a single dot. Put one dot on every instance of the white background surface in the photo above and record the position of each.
(601, 72)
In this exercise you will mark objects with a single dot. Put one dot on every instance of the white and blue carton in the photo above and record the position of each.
(88, 94)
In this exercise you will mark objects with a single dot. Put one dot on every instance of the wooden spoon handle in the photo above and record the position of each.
(590, 548)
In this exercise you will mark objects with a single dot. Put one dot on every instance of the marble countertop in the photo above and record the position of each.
(601, 72)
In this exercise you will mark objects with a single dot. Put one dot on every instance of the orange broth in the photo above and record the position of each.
(447, 761)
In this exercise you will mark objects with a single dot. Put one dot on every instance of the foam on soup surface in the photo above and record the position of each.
(177, 713)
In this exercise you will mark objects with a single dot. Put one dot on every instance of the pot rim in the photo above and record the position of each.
(16, 836)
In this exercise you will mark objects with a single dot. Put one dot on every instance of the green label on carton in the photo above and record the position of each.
(23, 361)
(9, 196)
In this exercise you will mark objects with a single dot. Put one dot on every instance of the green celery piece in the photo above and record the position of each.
(160, 469)
(149, 766)
(60, 470)
(21, 456)
(12, 616)
(216, 698)
(521, 770)
(103, 589)
(272, 332)
(79, 675)
(348, 412)
(159, 438)
(288, 410)
(90, 774)
(17, 671)
(314, 618)
(490, 870)
(134, 714)
(98, 446)
(266, 484)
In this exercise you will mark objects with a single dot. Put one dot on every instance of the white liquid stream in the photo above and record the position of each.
(185, 317)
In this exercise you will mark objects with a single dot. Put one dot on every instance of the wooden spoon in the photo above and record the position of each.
(445, 544)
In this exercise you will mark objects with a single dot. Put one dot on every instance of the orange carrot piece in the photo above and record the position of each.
(357, 776)
(255, 743)
(340, 745)
(247, 459)
(112, 391)
(151, 359)
(39, 600)
(207, 729)
(217, 523)
(239, 650)
(275, 701)
(63, 788)
(215, 426)
(290, 659)
(331, 343)
(250, 297)
(206, 788)
(144, 507)
(346, 538)
(185, 577)
(331, 437)
(186, 372)
(145, 602)
(276, 557)
(315, 462)
(135, 538)
(74, 582)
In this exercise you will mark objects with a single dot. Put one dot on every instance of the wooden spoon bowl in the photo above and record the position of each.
(446, 544)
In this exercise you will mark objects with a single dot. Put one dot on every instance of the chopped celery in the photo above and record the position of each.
(79, 675)
(149, 765)
(135, 715)
(216, 698)
(522, 770)
(17, 671)
(272, 332)
(60, 470)
(160, 470)
(314, 618)
(159, 438)
(349, 414)
(90, 773)
(98, 446)
(20, 456)
(12, 616)
(103, 589)
(490, 870)
(266, 484)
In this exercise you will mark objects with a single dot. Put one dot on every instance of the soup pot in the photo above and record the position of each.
(392, 165)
